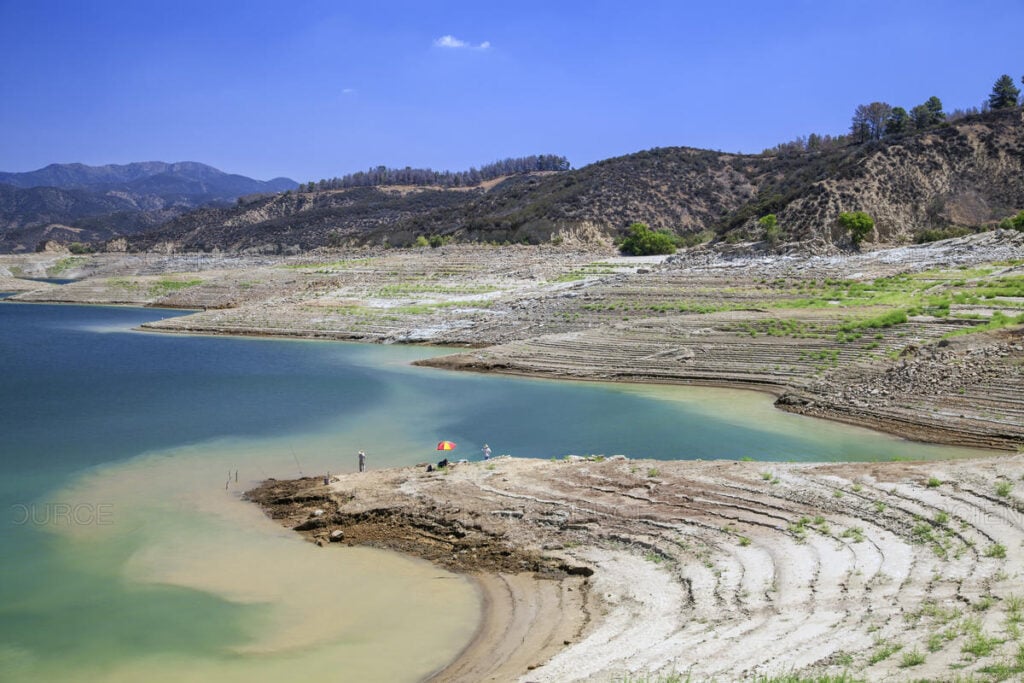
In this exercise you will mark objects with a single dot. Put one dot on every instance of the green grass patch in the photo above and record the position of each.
(883, 652)
(166, 286)
(998, 321)
(980, 644)
(888, 319)
(123, 283)
(66, 263)
(996, 550)
(329, 265)
(912, 658)
(422, 309)
(409, 288)
(797, 678)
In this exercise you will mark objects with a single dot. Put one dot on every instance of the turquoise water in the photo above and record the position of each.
(128, 554)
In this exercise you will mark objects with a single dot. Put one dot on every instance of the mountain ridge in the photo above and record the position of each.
(83, 176)
(962, 175)
(82, 203)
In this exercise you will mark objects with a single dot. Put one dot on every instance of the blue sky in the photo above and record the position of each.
(318, 88)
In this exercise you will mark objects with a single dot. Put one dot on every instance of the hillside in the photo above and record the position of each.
(292, 222)
(968, 173)
(676, 188)
(75, 202)
(965, 174)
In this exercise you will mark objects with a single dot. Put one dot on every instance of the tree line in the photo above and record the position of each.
(878, 120)
(382, 175)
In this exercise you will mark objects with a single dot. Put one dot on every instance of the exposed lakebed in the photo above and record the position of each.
(129, 554)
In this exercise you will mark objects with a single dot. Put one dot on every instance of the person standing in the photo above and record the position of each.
(362, 461)
(487, 452)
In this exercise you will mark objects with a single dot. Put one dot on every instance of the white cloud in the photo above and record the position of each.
(453, 42)
(450, 41)
(348, 91)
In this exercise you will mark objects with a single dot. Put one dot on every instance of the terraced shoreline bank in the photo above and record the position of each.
(925, 342)
(606, 569)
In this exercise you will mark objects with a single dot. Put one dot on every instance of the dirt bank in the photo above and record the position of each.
(727, 570)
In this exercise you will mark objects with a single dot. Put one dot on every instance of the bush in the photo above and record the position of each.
(642, 241)
(771, 228)
(1014, 222)
(936, 234)
(858, 224)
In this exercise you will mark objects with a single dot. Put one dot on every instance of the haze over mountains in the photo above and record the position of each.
(80, 203)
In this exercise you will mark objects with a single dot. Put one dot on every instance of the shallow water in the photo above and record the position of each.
(128, 554)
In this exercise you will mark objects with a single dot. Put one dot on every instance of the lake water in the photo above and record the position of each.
(128, 554)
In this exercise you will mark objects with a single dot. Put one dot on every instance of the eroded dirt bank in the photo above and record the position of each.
(723, 570)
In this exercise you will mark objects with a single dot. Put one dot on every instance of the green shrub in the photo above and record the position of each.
(79, 248)
(1014, 222)
(858, 224)
(771, 228)
(936, 234)
(642, 241)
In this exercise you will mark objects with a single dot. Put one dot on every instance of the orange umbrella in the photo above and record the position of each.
(446, 446)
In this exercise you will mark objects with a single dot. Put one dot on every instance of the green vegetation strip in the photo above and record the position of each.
(330, 265)
(402, 289)
(66, 263)
(164, 287)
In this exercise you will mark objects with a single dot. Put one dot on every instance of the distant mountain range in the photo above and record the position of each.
(75, 202)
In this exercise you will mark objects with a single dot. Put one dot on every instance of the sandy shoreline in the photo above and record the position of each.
(725, 570)
(524, 622)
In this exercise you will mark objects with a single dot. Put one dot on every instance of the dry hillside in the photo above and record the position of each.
(962, 175)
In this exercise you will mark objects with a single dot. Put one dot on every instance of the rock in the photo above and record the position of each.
(793, 400)
(337, 536)
(310, 524)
